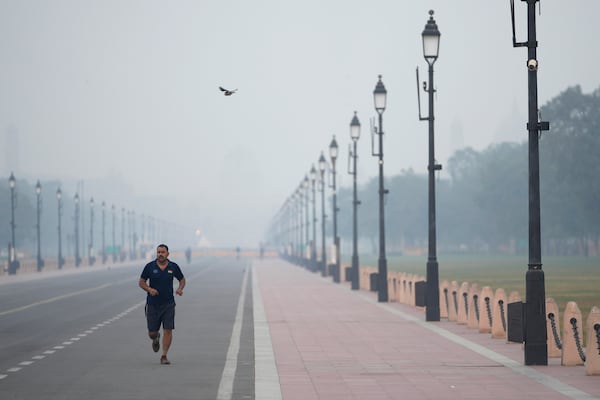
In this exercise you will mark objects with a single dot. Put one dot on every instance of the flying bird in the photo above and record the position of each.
(227, 92)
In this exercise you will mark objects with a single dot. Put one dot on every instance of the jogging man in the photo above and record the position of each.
(160, 302)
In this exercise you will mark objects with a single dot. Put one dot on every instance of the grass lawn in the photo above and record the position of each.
(566, 278)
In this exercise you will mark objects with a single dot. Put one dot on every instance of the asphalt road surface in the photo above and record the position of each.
(83, 335)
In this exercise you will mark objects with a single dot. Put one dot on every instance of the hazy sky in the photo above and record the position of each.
(129, 89)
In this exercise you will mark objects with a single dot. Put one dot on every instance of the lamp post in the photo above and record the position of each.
(333, 153)
(77, 257)
(114, 241)
(61, 260)
(431, 46)
(14, 263)
(103, 233)
(313, 245)
(322, 167)
(306, 187)
(354, 135)
(122, 252)
(535, 334)
(380, 97)
(91, 254)
(38, 193)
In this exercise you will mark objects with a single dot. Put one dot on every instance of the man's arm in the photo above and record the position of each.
(144, 285)
(179, 290)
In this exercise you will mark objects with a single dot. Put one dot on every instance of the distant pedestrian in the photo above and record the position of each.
(160, 302)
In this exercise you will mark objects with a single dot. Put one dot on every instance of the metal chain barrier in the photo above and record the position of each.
(447, 303)
(597, 329)
(573, 322)
(555, 331)
(455, 301)
(476, 306)
(488, 309)
(502, 316)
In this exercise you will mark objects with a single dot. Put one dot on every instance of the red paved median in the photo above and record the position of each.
(330, 342)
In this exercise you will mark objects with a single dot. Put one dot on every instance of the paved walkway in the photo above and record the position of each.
(325, 341)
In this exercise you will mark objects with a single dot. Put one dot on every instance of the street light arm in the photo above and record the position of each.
(373, 133)
(514, 36)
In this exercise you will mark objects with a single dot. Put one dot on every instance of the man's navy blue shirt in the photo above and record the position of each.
(161, 280)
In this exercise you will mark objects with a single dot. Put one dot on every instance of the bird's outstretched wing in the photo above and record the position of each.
(227, 92)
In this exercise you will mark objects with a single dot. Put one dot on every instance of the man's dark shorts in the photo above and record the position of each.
(160, 313)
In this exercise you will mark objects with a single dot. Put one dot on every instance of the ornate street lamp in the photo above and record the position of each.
(114, 237)
(380, 98)
(91, 252)
(354, 135)
(333, 154)
(61, 260)
(313, 245)
(76, 218)
(103, 233)
(38, 193)
(123, 255)
(322, 168)
(534, 310)
(431, 47)
(14, 263)
(306, 186)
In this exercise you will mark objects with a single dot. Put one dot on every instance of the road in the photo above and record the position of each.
(83, 336)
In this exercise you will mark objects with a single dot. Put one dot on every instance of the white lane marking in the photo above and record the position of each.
(266, 377)
(50, 352)
(14, 369)
(26, 363)
(38, 357)
(540, 377)
(53, 299)
(66, 343)
(58, 347)
(227, 377)
(3, 376)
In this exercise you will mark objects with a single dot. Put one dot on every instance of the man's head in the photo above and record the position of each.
(162, 252)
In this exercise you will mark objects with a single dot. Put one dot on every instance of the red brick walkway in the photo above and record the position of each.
(330, 342)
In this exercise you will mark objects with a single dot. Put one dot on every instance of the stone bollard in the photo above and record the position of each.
(463, 303)
(453, 293)
(444, 298)
(514, 297)
(499, 315)
(474, 312)
(553, 328)
(404, 288)
(592, 362)
(572, 335)
(411, 289)
(486, 299)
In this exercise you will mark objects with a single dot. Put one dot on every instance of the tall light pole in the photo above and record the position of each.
(536, 349)
(322, 168)
(103, 232)
(114, 238)
(77, 257)
(91, 253)
(380, 97)
(354, 135)
(14, 263)
(122, 253)
(313, 247)
(306, 186)
(38, 193)
(61, 260)
(431, 47)
(333, 153)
